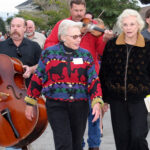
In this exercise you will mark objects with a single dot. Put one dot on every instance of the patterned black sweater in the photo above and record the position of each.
(125, 70)
(65, 76)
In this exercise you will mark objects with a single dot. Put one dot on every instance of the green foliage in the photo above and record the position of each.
(49, 13)
(59, 14)
(54, 17)
(9, 20)
(111, 8)
(39, 20)
(2, 26)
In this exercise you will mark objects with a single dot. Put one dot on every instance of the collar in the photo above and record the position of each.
(139, 43)
(67, 49)
(62, 48)
(10, 42)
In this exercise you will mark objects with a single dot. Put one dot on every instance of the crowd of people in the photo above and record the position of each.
(81, 74)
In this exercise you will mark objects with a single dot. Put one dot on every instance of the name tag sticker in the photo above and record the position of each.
(77, 60)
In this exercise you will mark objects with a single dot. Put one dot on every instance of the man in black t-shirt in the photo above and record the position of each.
(27, 51)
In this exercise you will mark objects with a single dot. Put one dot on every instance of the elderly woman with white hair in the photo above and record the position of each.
(66, 76)
(125, 81)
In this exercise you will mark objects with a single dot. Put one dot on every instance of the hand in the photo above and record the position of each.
(105, 107)
(96, 111)
(29, 112)
(28, 71)
(108, 34)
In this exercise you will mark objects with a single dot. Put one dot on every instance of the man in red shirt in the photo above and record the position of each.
(96, 46)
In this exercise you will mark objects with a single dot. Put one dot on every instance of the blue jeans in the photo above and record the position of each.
(94, 135)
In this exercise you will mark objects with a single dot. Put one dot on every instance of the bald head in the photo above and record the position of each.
(30, 28)
(30, 22)
(20, 20)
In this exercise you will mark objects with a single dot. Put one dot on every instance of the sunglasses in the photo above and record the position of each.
(75, 36)
(18, 52)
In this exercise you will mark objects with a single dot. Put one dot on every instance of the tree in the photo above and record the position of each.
(51, 11)
(48, 14)
(2, 26)
(9, 20)
(111, 8)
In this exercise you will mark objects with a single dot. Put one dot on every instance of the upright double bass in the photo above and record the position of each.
(15, 129)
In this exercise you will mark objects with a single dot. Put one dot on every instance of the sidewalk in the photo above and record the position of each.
(45, 142)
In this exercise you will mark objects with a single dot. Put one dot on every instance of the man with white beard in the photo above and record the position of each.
(33, 35)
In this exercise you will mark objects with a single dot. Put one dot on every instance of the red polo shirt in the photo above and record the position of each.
(95, 45)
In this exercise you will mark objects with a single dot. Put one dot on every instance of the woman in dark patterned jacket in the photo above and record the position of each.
(125, 81)
(66, 76)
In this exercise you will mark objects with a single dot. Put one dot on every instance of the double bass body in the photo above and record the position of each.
(15, 129)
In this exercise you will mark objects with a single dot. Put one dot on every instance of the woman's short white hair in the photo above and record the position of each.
(127, 13)
(65, 24)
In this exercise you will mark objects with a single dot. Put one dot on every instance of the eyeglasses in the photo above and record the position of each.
(18, 52)
(75, 36)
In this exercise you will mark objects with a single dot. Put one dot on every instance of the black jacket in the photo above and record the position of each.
(125, 70)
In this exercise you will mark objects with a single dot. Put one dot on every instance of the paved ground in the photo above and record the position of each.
(45, 142)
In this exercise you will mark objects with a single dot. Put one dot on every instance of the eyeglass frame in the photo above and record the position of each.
(75, 36)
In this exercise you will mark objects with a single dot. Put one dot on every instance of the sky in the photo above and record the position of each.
(7, 7)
